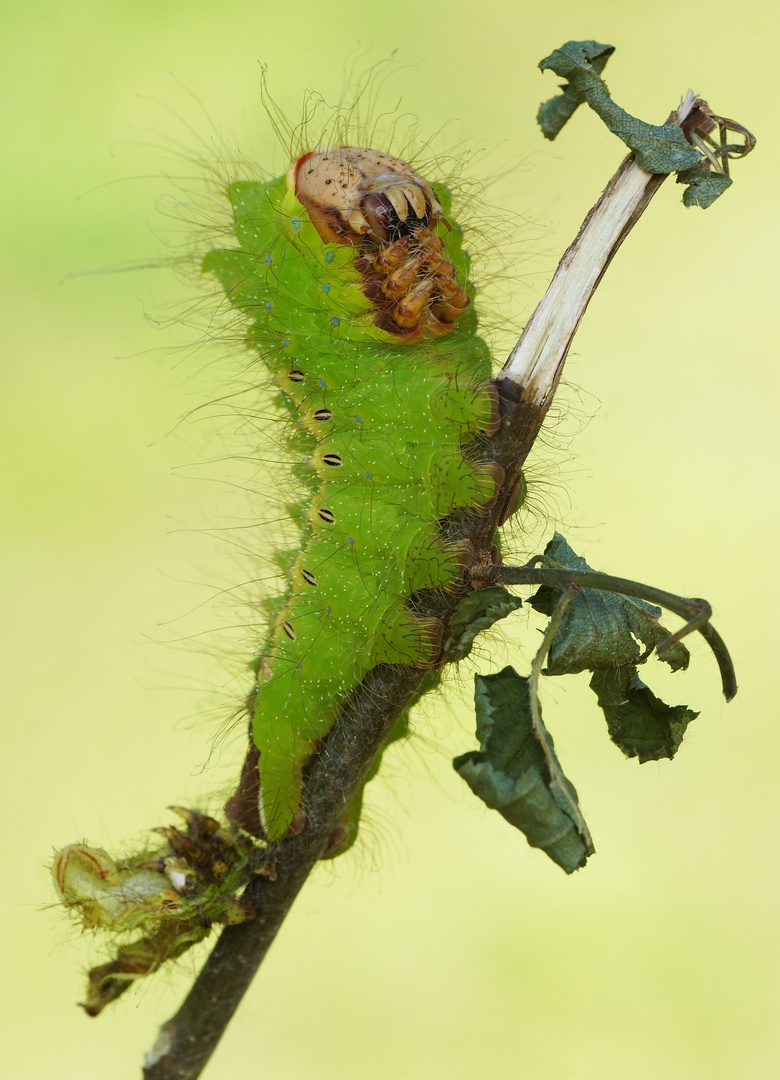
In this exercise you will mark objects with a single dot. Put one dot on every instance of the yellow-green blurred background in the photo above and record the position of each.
(443, 947)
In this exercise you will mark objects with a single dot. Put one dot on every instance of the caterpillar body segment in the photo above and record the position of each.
(355, 283)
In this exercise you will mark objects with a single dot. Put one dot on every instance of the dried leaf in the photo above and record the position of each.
(600, 630)
(511, 773)
(475, 613)
(658, 148)
(639, 723)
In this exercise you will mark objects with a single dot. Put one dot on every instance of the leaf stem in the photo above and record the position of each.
(694, 610)
(557, 777)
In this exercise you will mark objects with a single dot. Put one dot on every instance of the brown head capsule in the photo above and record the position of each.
(350, 191)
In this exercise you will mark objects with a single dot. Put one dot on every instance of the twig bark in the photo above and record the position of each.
(526, 386)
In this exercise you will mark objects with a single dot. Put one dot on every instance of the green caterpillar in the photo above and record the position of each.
(345, 268)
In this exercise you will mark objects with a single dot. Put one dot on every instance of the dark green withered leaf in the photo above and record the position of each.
(639, 723)
(600, 630)
(704, 186)
(517, 773)
(558, 110)
(658, 148)
(475, 613)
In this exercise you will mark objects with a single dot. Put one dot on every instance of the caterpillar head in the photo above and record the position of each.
(382, 207)
(351, 192)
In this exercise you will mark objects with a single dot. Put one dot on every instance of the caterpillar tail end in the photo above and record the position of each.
(269, 810)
